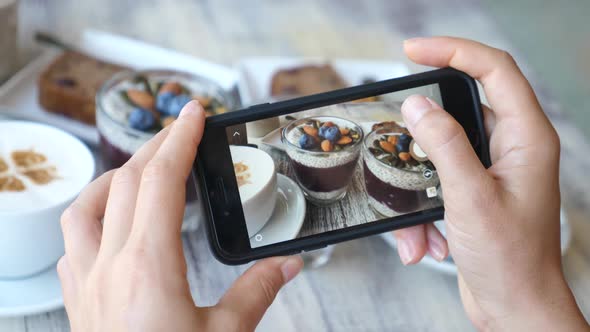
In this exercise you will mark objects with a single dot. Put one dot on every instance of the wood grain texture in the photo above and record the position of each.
(364, 287)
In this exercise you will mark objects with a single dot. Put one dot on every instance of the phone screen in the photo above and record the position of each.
(332, 167)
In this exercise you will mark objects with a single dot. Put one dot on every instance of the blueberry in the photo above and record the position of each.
(307, 142)
(404, 138)
(403, 143)
(330, 133)
(322, 131)
(176, 104)
(163, 100)
(141, 119)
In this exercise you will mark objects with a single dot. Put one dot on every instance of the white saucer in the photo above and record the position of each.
(33, 295)
(449, 267)
(287, 218)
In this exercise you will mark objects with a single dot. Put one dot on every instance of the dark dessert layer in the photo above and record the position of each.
(398, 199)
(113, 157)
(324, 179)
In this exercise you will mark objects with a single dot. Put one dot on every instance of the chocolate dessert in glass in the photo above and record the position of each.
(132, 107)
(324, 153)
(399, 178)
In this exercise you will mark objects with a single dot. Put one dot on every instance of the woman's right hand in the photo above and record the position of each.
(502, 223)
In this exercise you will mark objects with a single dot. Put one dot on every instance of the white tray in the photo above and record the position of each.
(18, 96)
(255, 73)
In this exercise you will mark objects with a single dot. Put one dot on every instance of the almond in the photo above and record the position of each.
(387, 146)
(392, 139)
(328, 124)
(141, 99)
(167, 121)
(344, 131)
(344, 140)
(311, 131)
(173, 87)
(204, 101)
(404, 156)
(327, 146)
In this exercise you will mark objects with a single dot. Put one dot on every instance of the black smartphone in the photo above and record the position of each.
(301, 174)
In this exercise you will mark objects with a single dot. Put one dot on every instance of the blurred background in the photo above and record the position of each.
(552, 37)
(549, 39)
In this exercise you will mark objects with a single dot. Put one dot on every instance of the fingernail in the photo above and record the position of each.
(405, 251)
(190, 107)
(436, 250)
(414, 108)
(291, 267)
(413, 40)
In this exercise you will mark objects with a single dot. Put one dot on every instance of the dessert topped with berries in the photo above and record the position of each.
(151, 103)
(399, 177)
(324, 152)
(133, 106)
(400, 151)
(326, 136)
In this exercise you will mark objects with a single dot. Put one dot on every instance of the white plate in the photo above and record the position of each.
(37, 294)
(287, 217)
(19, 93)
(255, 73)
(449, 267)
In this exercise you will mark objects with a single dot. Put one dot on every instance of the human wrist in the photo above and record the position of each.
(551, 308)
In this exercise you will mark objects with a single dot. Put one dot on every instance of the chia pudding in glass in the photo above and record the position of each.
(399, 178)
(324, 153)
(133, 106)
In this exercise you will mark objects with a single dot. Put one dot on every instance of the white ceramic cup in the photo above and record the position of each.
(258, 191)
(30, 232)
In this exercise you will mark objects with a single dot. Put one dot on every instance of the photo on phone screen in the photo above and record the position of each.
(332, 167)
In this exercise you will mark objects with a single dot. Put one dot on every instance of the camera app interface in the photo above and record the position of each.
(332, 167)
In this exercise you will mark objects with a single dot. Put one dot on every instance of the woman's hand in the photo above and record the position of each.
(502, 223)
(128, 273)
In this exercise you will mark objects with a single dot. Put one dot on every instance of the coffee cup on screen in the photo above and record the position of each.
(257, 183)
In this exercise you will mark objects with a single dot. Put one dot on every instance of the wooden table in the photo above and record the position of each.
(364, 287)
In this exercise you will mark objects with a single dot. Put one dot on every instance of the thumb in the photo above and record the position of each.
(256, 289)
(444, 141)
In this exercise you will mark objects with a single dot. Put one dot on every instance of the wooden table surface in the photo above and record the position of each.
(364, 287)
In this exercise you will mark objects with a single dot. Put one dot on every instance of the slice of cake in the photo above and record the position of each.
(306, 80)
(69, 85)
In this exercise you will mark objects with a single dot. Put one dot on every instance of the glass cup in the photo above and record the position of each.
(323, 176)
(395, 186)
(118, 141)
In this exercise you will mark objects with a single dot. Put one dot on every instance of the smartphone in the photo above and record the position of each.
(298, 175)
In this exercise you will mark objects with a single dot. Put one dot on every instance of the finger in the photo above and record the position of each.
(163, 183)
(446, 144)
(437, 244)
(123, 196)
(507, 90)
(81, 224)
(489, 120)
(256, 289)
(68, 283)
(411, 244)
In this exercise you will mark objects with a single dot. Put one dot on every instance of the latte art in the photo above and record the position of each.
(28, 164)
(40, 167)
(242, 173)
